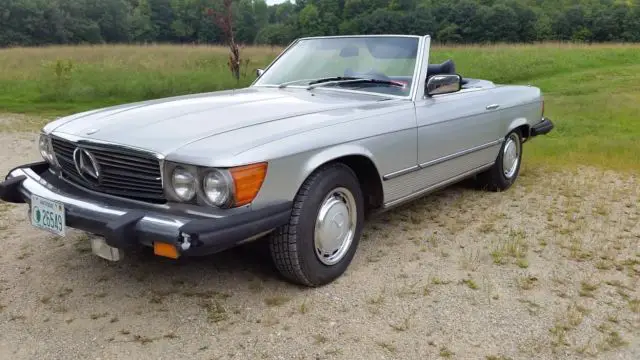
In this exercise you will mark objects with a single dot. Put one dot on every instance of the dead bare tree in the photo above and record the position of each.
(224, 20)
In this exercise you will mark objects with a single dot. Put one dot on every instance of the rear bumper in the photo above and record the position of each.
(542, 128)
(126, 223)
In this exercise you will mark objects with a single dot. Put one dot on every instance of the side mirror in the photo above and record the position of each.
(259, 72)
(443, 84)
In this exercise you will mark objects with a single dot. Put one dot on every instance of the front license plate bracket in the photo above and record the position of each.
(100, 248)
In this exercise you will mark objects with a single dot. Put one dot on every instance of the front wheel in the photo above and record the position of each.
(506, 169)
(318, 244)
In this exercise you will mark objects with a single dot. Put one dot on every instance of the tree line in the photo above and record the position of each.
(40, 22)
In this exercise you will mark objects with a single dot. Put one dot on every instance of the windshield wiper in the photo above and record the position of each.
(339, 80)
(332, 79)
(351, 80)
(316, 81)
(285, 84)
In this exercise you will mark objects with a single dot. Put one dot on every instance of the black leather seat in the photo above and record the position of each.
(447, 67)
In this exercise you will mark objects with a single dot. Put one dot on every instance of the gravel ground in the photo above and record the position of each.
(546, 270)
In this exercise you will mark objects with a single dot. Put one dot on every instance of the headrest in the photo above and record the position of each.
(447, 67)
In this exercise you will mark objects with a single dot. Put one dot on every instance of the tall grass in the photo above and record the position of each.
(592, 92)
(31, 80)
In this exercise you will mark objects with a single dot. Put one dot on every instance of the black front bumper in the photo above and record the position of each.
(542, 128)
(124, 223)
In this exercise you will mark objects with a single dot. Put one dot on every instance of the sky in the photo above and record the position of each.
(271, 2)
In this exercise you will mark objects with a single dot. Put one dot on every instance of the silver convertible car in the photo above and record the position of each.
(333, 130)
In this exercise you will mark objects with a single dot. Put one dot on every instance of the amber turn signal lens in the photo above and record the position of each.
(248, 180)
(166, 250)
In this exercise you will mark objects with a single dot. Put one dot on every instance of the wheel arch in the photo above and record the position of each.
(363, 164)
(521, 124)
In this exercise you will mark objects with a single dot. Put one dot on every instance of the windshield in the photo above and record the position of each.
(389, 60)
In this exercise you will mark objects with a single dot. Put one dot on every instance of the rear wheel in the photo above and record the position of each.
(506, 169)
(322, 236)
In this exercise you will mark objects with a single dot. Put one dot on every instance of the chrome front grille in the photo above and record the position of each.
(122, 172)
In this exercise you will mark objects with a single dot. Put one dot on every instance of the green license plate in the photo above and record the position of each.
(47, 215)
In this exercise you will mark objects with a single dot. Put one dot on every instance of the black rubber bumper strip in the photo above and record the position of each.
(542, 128)
(10, 190)
(38, 167)
(225, 232)
(121, 232)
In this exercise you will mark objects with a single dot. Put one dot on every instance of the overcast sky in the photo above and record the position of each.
(271, 2)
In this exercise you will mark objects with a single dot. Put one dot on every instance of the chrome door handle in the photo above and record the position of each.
(492, 107)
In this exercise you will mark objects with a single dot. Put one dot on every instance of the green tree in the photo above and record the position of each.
(112, 18)
(37, 22)
(543, 28)
(261, 10)
(631, 25)
(275, 34)
(162, 17)
(187, 16)
(245, 22)
(502, 24)
(569, 22)
(309, 21)
(142, 27)
(29, 22)
(448, 33)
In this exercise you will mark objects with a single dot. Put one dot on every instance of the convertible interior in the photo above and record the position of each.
(394, 52)
(447, 67)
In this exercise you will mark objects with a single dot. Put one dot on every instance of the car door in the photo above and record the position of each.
(458, 133)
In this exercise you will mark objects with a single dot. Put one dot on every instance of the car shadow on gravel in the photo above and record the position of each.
(242, 263)
(253, 260)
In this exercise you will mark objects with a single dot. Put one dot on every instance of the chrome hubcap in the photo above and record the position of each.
(335, 226)
(511, 156)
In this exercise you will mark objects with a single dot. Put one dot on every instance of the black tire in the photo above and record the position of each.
(293, 247)
(495, 178)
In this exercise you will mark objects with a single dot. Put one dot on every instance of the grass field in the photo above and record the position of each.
(592, 92)
(547, 270)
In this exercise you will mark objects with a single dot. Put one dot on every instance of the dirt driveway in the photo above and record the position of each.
(549, 269)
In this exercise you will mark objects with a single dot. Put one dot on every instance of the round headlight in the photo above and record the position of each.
(184, 183)
(216, 188)
(45, 151)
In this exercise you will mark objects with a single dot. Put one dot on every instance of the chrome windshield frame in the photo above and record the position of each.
(420, 54)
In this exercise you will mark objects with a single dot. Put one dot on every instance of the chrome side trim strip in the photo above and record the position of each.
(396, 174)
(459, 154)
(436, 186)
(406, 171)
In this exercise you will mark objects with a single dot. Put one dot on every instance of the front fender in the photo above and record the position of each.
(387, 139)
(330, 154)
(286, 175)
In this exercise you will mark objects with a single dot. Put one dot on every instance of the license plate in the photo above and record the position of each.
(48, 215)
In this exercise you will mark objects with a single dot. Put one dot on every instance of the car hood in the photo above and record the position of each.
(165, 125)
